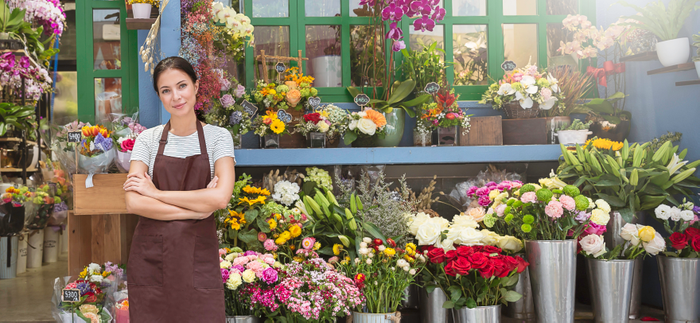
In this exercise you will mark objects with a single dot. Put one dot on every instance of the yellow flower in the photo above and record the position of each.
(647, 234)
(235, 225)
(408, 258)
(106, 273)
(256, 190)
(604, 143)
(277, 216)
(390, 252)
(83, 273)
(295, 230)
(280, 241)
(260, 199)
(337, 248)
(272, 223)
(411, 245)
(286, 235)
(317, 246)
(277, 126)
(298, 259)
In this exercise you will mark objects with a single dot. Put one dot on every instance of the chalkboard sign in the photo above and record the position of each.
(70, 296)
(75, 136)
(362, 99)
(250, 108)
(432, 88)
(508, 66)
(314, 102)
(284, 116)
(280, 68)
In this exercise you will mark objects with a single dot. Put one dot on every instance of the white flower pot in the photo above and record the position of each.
(141, 10)
(572, 137)
(673, 52)
(697, 68)
(327, 71)
(35, 251)
(51, 237)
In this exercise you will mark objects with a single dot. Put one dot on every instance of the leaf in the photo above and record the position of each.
(349, 137)
(512, 281)
(251, 215)
(264, 226)
(353, 91)
(471, 303)
(455, 292)
(512, 296)
(430, 288)
(612, 200)
(248, 237)
(448, 304)
(373, 230)
(626, 215)
(402, 91)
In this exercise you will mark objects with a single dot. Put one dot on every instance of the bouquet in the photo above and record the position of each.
(232, 30)
(124, 133)
(443, 112)
(685, 236)
(329, 119)
(474, 276)
(639, 240)
(382, 272)
(227, 112)
(250, 279)
(96, 149)
(293, 93)
(64, 150)
(365, 124)
(12, 212)
(528, 87)
(95, 283)
(42, 206)
(269, 124)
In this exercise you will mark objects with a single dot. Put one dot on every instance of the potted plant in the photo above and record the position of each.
(228, 112)
(232, 31)
(424, 66)
(610, 120)
(445, 117)
(696, 59)
(574, 134)
(142, 8)
(575, 85)
(323, 127)
(665, 22)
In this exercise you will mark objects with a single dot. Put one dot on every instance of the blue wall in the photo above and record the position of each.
(658, 106)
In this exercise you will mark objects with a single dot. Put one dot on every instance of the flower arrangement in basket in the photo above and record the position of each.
(154, 3)
(227, 111)
(125, 130)
(365, 126)
(443, 113)
(232, 30)
(294, 92)
(523, 92)
(96, 149)
(250, 279)
(269, 124)
(329, 120)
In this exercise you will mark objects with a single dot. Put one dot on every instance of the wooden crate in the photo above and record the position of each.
(105, 197)
(484, 131)
(525, 131)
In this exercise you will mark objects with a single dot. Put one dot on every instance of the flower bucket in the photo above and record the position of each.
(51, 236)
(611, 289)
(680, 288)
(141, 10)
(431, 309)
(422, 139)
(411, 297)
(395, 122)
(316, 140)
(8, 257)
(553, 279)
(35, 249)
(242, 319)
(479, 314)
(270, 141)
(375, 317)
(123, 161)
(513, 110)
(612, 239)
(523, 309)
(237, 141)
(572, 137)
(448, 136)
(673, 52)
(22, 254)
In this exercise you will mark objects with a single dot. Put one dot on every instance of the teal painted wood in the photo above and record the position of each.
(396, 155)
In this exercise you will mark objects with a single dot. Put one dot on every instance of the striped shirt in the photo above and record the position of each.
(218, 140)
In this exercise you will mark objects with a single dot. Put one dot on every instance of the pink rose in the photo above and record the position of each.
(554, 209)
(127, 145)
(529, 197)
(500, 210)
(568, 202)
(596, 229)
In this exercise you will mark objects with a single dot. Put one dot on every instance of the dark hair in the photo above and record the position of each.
(173, 62)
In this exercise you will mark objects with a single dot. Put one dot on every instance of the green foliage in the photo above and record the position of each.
(424, 66)
(399, 92)
(17, 116)
(664, 22)
(576, 125)
(605, 108)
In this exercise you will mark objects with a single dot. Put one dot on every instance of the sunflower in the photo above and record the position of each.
(604, 143)
(256, 190)
(259, 199)
(277, 126)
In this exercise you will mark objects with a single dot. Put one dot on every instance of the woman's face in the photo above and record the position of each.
(177, 92)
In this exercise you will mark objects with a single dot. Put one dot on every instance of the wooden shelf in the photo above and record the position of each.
(641, 57)
(675, 68)
(142, 24)
(691, 82)
(16, 170)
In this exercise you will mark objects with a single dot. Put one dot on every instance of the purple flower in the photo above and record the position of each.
(490, 184)
(224, 275)
(471, 191)
(240, 268)
(250, 253)
(103, 143)
(84, 287)
(392, 12)
(582, 216)
(438, 14)
(240, 91)
(484, 191)
(420, 7)
(227, 100)
(398, 46)
(696, 209)
(225, 85)
(269, 275)
(424, 23)
(236, 117)
(394, 32)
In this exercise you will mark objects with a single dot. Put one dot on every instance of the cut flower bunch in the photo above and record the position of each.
(639, 241)
(443, 112)
(528, 87)
(367, 123)
(250, 278)
(329, 119)
(682, 223)
(294, 92)
(269, 124)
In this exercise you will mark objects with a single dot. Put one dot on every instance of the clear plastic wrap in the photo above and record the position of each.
(125, 129)
(96, 164)
(95, 297)
(458, 195)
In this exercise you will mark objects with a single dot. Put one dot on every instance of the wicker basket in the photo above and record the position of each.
(513, 110)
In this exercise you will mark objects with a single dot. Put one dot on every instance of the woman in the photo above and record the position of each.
(180, 173)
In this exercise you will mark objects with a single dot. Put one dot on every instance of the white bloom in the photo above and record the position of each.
(553, 83)
(414, 222)
(600, 217)
(406, 268)
(655, 246)
(229, 257)
(370, 254)
(476, 213)
(549, 103)
(531, 89)
(402, 263)
(381, 248)
(366, 240)
(234, 280)
(630, 232)
(593, 245)
(675, 214)
(367, 126)
(528, 80)
(463, 221)
(526, 103)
(466, 236)
(96, 278)
(248, 276)
(509, 243)
(353, 124)
(362, 114)
(357, 261)
(603, 205)
(687, 215)
(505, 89)
(446, 244)
(363, 244)
(369, 261)
(323, 126)
(412, 272)
(286, 192)
(490, 238)
(363, 251)
(429, 233)
(94, 268)
(225, 264)
(675, 164)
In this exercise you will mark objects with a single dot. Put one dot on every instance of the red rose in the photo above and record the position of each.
(492, 249)
(695, 243)
(500, 268)
(678, 240)
(511, 262)
(436, 255)
(692, 232)
(127, 145)
(465, 251)
(522, 264)
(312, 117)
(91, 299)
(451, 255)
(487, 271)
(449, 269)
(478, 260)
(423, 249)
(461, 266)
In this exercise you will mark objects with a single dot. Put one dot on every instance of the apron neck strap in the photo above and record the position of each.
(164, 138)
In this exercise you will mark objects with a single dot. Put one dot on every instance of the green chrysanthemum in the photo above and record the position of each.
(544, 195)
(528, 219)
(581, 202)
(572, 191)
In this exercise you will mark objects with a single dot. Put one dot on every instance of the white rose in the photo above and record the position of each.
(96, 279)
(490, 238)
(655, 246)
(323, 126)
(687, 215)
(248, 276)
(476, 213)
(675, 214)
(442, 222)
(225, 264)
(593, 245)
(229, 257)
(601, 204)
(428, 234)
(466, 236)
(630, 232)
(234, 280)
(367, 126)
(663, 212)
(416, 221)
(600, 217)
(353, 124)
(464, 221)
(94, 268)
(510, 244)
(447, 244)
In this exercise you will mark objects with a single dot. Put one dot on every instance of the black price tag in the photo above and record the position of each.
(314, 102)
(284, 116)
(362, 99)
(70, 296)
(75, 136)
(249, 108)
(508, 66)
(432, 88)
(280, 67)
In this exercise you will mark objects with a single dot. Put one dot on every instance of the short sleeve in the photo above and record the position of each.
(223, 145)
(143, 147)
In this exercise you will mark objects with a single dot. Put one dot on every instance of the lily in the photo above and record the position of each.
(675, 164)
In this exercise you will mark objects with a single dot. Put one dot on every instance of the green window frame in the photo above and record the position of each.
(85, 60)
(494, 18)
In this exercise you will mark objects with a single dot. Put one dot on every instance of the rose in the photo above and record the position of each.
(522, 264)
(450, 116)
(593, 228)
(630, 232)
(267, 121)
(490, 249)
(695, 243)
(465, 236)
(323, 126)
(593, 245)
(312, 117)
(293, 97)
(510, 244)
(478, 260)
(601, 204)
(656, 245)
(450, 255)
(476, 213)
(487, 271)
(240, 91)
(429, 233)
(464, 251)
(647, 233)
(463, 221)
(416, 221)
(436, 255)
(600, 217)
(501, 268)
(678, 240)
(449, 269)
(367, 126)
(462, 266)
(692, 232)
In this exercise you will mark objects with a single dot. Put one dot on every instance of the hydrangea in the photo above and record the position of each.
(321, 177)
(236, 117)
(286, 192)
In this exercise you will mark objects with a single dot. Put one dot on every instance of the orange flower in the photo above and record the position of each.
(293, 97)
(291, 84)
(376, 117)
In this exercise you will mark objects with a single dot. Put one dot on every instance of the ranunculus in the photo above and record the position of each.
(367, 126)
(678, 240)
(450, 116)
(436, 255)
(127, 145)
(478, 260)
(554, 209)
(476, 213)
(568, 202)
(658, 244)
(510, 244)
(593, 245)
(429, 233)
(462, 266)
(293, 97)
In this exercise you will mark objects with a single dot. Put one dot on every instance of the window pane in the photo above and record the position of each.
(106, 35)
(68, 38)
(562, 7)
(274, 40)
(322, 8)
(270, 8)
(418, 39)
(323, 51)
(108, 97)
(366, 71)
(520, 7)
(65, 104)
(555, 35)
(469, 7)
(470, 46)
(520, 43)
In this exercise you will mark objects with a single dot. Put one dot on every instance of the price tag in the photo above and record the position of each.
(284, 116)
(249, 108)
(362, 99)
(70, 296)
(432, 88)
(508, 66)
(75, 136)
(280, 67)
(314, 102)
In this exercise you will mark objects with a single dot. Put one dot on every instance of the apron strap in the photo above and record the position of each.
(163, 139)
(202, 142)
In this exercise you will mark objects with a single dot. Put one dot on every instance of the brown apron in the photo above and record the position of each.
(173, 269)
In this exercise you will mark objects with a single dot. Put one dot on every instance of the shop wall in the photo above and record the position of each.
(658, 106)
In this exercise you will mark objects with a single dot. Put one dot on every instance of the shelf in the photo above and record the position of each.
(142, 24)
(675, 68)
(396, 155)
(691, 82)
(13, 139)
(641, 57)
(16, 170)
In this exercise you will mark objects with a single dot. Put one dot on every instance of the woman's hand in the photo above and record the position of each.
(142, 184)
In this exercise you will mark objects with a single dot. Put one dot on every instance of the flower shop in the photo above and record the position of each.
(437, 161)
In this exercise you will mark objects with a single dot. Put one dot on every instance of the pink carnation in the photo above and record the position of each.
(270, 245)
(222, 252)
(240, 261)
(529, 197)
(568, 202)
(554, 209)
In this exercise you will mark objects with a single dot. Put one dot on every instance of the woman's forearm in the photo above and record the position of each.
(157, 210)
(202, 200)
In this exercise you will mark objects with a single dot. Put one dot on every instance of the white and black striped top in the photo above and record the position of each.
(219, 144)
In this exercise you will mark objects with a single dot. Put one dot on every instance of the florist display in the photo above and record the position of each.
(40, 207)
(142, 8)
(12, 213)
(125, 130)
(444, 116)
(95, 284)
(96, 149)
(293, 93)
(365, 128)
(574, 134)
(269, 127)
(250, 279)
(227, 111)
(232, 31)
(324, 126)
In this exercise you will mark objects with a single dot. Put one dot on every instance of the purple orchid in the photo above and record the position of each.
(367, 2)
(421, 7)
(392, 12)
(398, 46)
(424, 23)
(438, 14)
(394, 32)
